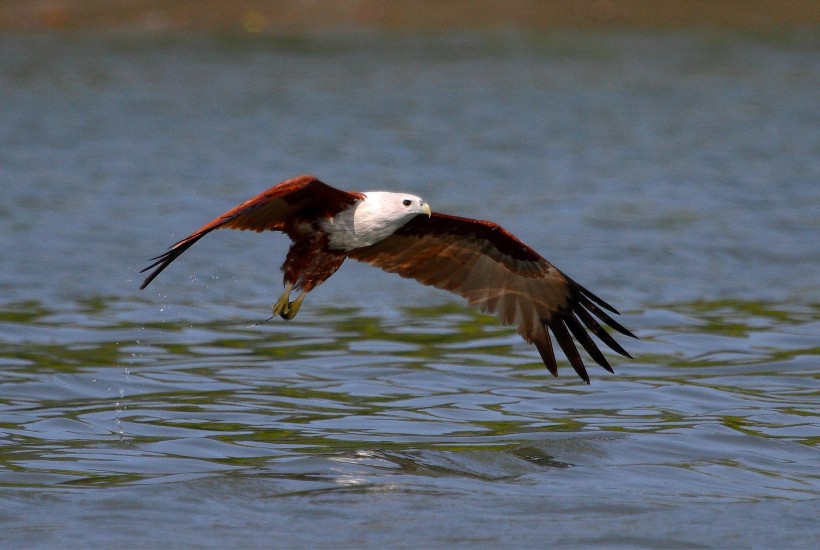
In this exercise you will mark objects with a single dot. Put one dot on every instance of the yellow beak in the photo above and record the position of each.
(426, 208)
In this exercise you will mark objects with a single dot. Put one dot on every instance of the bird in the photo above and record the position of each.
(476, 259)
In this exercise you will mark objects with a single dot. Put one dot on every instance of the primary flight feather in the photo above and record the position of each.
(397, 232)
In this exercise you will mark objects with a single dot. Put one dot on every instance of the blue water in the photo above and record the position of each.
(674, 174)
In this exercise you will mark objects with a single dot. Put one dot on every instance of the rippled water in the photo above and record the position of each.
(674, 175)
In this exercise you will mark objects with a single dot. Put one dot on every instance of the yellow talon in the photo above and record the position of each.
(286, 309)
(293, 307)
(282, 305)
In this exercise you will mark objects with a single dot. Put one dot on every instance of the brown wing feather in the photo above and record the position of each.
(274, 209)
(500, 275)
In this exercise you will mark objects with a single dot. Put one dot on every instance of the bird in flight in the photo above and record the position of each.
(397, 232)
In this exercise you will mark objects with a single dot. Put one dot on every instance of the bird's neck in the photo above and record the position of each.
(363, 224)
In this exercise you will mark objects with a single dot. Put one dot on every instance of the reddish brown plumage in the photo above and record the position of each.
(293, 207)
(310, 262)
(479, 260)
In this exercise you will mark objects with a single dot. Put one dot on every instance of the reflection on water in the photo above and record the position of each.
(434, 390)
(673, 175)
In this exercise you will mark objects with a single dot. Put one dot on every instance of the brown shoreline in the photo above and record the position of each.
(437, 15)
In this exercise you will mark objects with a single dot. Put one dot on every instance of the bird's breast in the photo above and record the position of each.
(357, 227)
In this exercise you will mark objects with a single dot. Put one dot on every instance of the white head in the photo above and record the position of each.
(378, 216)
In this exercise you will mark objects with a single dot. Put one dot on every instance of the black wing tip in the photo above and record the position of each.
(164, 260)
(564, 339)
(584, 299)
(579, 318)
(591, 296)
(151, 276)
(559, 330)
(544, 347)
(587, 298)
(161, 262)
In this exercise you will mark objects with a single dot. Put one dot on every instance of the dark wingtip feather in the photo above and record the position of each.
(584, 339)
(544, 347)
(162, 265)
(159, 259)
(571, 325)
(164, 260)
(562, 336)
(586, 302)
(583, 291)
(596, 329)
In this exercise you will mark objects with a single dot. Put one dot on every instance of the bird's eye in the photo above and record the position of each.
(407, 202)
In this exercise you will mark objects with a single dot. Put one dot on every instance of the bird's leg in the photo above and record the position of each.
(293, 307)
(283, 304)
(286, 309)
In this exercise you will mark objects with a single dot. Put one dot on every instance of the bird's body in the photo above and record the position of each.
(479, 260)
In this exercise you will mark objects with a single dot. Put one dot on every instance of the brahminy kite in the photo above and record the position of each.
(397, 232)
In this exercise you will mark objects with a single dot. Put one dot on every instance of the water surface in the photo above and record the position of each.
(674, 175)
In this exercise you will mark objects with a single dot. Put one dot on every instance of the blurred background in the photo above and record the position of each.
(404, 15)
(666, 155)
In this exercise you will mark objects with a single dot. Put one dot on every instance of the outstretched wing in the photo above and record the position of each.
(501, 275)
(276, 209)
